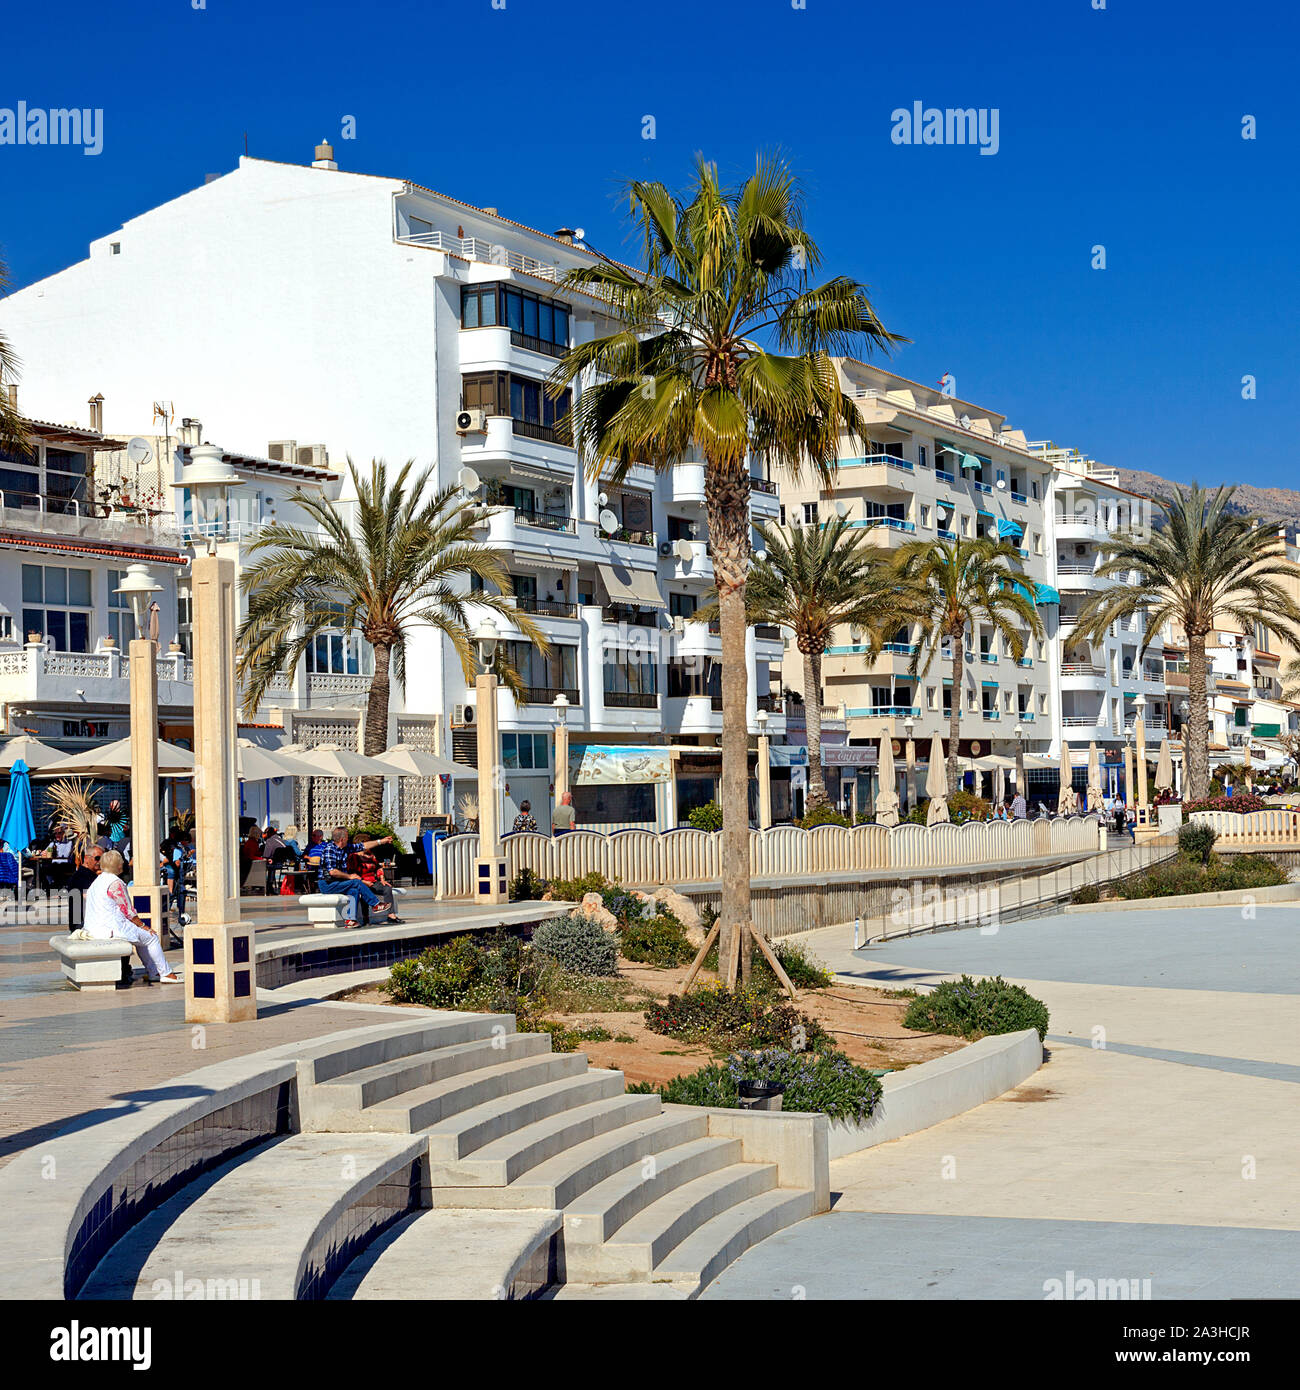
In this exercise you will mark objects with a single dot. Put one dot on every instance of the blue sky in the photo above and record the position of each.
(1119, 127)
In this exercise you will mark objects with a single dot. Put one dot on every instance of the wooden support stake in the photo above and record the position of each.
(699, 957)
(773, 962)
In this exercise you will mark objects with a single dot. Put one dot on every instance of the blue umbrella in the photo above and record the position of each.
(17, 827)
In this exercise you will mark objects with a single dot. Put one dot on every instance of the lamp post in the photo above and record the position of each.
(909, 726)
(139, 588)
(764, 772)
(490, 885)
(219, 956)
(1019, 732)
(561, 706)
(1140, 738)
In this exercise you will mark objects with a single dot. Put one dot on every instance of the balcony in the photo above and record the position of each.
(68, 519)
(626, 537)
(1081, 668)
(36, 672)
(632, 699)
(885, 712)
(991, 716)
(633, 617)
(944, 477)
(773, 704)
(767, 632)
(765, 485)
(1020, 499)
(531, 344)
(899, 648)
(545, 608)
(888, 523)
(546, 694)
(326, 688)
(988, 658)
(945, 535)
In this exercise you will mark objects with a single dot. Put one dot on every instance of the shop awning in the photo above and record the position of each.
(1266, 730)
(789, 754)
(1010, 528)
(636, 587)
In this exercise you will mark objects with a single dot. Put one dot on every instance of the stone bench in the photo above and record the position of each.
(91, 964)
(326, 910)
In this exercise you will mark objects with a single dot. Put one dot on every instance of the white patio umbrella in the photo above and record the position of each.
(936, 784)
(32, 751)
(1165, 768)
(1094, 777)
(406, 760)
(887, 796)
(1066, 803)
(254, 763)
(333, 760)
(114, 760)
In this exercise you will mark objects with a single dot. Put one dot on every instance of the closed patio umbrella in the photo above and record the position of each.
(1066, 802)
(32, 751)
(1094, 778)
(936, 784)
(114, 760)
(406, 760)
(887, 796)
(1165, 768)
(17, 829)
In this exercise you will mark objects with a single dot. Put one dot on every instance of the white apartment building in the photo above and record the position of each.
(934, 467)
(374, 313)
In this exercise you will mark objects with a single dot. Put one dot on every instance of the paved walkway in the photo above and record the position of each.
(1161, 1140)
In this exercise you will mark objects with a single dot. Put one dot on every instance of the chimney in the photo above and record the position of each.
(12, 391)
(565, 234)
(324, 156)
(191, 431)
(96, 404)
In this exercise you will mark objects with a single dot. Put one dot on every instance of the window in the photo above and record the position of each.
(1038, 543)
(526, 401)
(185, 616)
(681, 605)
(334, 652)
(520, 752)
(1033, 489)
(965, 525)
(679, 529)
(631, 683)
(544, 675)
(541, 325)
(694, 675)
(925, 515)
(781, 515)
(60, 605)
(121, 625)
(478, 306)
(930, 697)
(810, 513)
(922, 456)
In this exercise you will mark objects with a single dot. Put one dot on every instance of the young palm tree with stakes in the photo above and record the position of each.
(813, 579)
(1200, 561)
(949, 586)
(725, 354)
(405, 564)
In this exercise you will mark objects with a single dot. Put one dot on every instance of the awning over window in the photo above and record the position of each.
(1010, 528)
(1266, 730)
(636, 587)
(989, 685)
(1044, 593)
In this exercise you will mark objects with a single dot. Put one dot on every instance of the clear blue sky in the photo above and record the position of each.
(1119, 127)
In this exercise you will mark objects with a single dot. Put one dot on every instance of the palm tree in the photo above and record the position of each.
(1201, 560)
(404, 563)
(12, 434)
(950, 586)
(813, 579)
(727, 275)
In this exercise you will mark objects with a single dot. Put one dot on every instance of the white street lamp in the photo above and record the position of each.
(208, 478)
(139, 588)
(561, 707)
(764, 770)
(487, 636)
(909, 726)
(490, 866)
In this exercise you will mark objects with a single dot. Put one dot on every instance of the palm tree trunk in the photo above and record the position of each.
(375, 737)
(954, 715)
(812, 707)
(727, 499)
(1197, 751)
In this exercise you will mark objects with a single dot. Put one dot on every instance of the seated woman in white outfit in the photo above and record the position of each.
(108, 914)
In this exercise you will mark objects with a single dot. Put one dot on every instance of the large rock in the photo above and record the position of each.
(684, 910)
(593, 908)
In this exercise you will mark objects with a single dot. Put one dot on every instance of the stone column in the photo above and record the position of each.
(490, 885)
(561, 761)
(220, 961)
(912, 797)
(145, 891)
(764, 781)
(1128, 776)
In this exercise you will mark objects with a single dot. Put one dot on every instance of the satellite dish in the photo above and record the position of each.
(603, 499)
(760, 556)
(964, 422)
(608, 521)
(841, 509)
(138, 450)
(467, 480)
(684, 551)
(579, 234)
(1002, 483)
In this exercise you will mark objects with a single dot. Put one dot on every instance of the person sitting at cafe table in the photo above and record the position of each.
(334, 876)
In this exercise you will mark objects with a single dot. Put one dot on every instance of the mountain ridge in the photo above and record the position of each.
(1277, 504)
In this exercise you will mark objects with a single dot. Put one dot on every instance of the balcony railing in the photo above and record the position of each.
(545, 608)
(1081, 668)
(945, 535)
(1020, 498)
(634, 537)
(548, 434)
(773, 704)
(885, 712)
(900, 648)
(634, 617)
(767, 632)
(988, 658)
(526, 340)
(547, 521)
(632, 699)
(1083, 721)
(764, 485)
(943, 476)
(545, 694)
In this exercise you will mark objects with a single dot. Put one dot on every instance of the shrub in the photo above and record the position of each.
(573, 890)
(964, 805)
(577, 944)
(527, 886)
(825, 814)
(1197, 840)
(658, 940)
(1184, 874)
(723, 1018)
(804, 972)
(706, 817)
(440, 977)
(967, 1009)
(1240, 801)
(712, 1085)
(1089, 893)
(376, 830)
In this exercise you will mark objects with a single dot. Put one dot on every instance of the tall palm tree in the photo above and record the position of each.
(1200, 560)
(950, 586)
(12, 434)
(813, 579)
(405, 563)
(725, 353)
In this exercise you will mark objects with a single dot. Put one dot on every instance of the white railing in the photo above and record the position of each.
(324, 685)
(1271, 827)
(490, 253)
(644, 858)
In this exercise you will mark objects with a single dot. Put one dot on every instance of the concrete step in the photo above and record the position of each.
(604, 1209)
(559, 1180)
(654, 1291)
(645, 1241)
(373, 1085)
(540, 1130)
(327, 1061)
(426, 1106)
(457, 1255)
(707, 1251)
(272, 1223)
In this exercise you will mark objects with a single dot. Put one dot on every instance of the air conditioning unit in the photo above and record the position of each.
(665, 549)
(311, 456)
(462, 716)
(471, 422)
(679, 623)
(1080, 549)
(282, 450)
